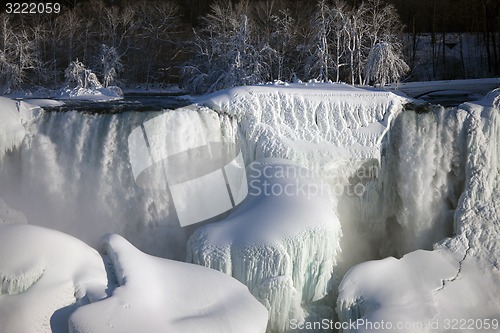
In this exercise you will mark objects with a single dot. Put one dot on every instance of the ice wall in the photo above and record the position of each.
(329, 130)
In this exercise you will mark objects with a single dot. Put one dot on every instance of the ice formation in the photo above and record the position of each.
(309, 123)
(460, 278)
(12, 131)
(44, 275)
(330, 130)
(282, 242)
(161, 295)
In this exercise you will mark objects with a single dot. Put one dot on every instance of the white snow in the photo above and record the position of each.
(44, 275)
(307, 122)
(421, 291)
(91, 94)
(283, 242)
(459, 280)
(160, 295)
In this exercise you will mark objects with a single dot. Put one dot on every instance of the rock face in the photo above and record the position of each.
(282, 242)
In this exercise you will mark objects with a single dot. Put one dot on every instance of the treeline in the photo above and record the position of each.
(206, 45)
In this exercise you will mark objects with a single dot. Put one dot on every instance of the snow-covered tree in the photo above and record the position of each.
(320, 62)
(226, 52)
(78, 76)
(8, 75)
(385, 63)
(109, 63)
(340, 15)
(18, 52)
(281, 45)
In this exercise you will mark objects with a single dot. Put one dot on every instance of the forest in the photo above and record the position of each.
(209, 45)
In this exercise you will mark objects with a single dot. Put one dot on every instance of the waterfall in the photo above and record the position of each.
(73, 173)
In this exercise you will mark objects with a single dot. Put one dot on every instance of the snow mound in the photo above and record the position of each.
(44, 275)
(282, 242)
(161, 295)
(458, 280)
(417, 293)
(302, 122)
(492, 99)
(12, 131)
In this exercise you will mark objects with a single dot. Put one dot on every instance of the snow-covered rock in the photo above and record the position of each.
(160, 295)
(44, 276)
(282, 242)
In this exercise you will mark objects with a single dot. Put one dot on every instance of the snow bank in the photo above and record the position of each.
(44, 275)
(283, 242)
(12, 131)
(458, 280)
(160, 295)
(98, 94)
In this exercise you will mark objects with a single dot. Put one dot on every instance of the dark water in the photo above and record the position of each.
(451, 98)
(132, 102)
